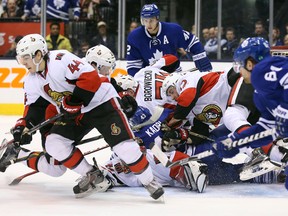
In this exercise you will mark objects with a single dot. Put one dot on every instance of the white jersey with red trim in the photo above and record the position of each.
(149, 93)
(206, 93)
(66, 74)
(121, 175)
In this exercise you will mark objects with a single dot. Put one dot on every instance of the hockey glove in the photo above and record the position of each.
(19, 132)
(129, 105)
(282, 120)
(173, 137)
(202, 62)
(167, 125)
(223, 146)
(70, 109)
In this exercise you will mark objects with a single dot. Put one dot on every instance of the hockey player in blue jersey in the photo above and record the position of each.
(153, 39)
(268, 76)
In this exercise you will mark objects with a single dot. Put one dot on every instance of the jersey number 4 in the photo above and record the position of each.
(74, 67)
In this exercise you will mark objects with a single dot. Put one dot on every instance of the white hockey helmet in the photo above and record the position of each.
(169, 81)
(102, 56)
(126, 82)
(30, 44)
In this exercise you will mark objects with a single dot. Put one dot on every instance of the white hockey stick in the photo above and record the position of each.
(161, 156)
(155, 116)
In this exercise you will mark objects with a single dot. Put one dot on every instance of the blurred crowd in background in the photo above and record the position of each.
(91, 22)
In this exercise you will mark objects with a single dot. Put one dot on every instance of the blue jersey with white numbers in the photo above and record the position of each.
(270, 81)
(143, 49)
(148, 133)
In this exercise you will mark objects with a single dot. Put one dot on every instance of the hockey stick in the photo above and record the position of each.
(17, 180)
(161, 156)
(35, 128)
(155, 116)
(7, 163)
(201, 136)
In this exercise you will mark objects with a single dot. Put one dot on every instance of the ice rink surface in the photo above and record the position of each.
(43, 195)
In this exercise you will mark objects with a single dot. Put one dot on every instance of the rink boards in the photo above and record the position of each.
(12, 75)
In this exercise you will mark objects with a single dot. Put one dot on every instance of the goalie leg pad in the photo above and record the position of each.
(197, 175)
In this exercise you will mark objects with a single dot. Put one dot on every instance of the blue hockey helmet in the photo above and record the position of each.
(141, 115)
(149, 11)
(256, 47)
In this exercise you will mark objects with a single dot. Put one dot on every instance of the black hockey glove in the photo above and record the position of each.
(70, 109)
(19, 132)
(174, 137)
(129, 105)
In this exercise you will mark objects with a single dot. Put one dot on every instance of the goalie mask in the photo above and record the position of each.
(256, 47)
(141, 115)
(28, 46)
(103, 58)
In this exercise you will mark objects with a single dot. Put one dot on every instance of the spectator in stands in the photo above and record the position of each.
(56, 41)
(260, 30)
(276, 41)
(32, 9)
(1, 8)
(212, 44)
(193, 29)
(230, 45)
(93, 9)
(132, 26)
(11, 10)
(286, 40)
(12, 51)
(84, 47)
(205, 35)
(104, 38)
(60, 9)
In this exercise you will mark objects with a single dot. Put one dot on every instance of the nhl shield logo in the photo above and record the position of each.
(115, 130)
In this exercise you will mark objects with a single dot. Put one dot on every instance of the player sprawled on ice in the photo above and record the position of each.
(87, 101)
(154, 39)
(268, 75)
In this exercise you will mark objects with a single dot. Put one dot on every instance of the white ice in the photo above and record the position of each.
(43, 195)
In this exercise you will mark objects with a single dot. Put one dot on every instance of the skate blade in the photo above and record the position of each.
(257, 170)
(97, 189)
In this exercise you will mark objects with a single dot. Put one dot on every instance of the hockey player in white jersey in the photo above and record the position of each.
(86, 101)
(146, 86)
(154, 39)
(103, 59)
(201, 100)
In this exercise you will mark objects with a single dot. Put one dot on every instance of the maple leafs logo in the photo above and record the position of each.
(156, 56)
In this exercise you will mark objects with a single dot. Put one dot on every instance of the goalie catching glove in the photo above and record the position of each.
(19, 132)
(173, 137)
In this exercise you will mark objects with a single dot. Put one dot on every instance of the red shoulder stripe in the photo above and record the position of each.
(89, 81)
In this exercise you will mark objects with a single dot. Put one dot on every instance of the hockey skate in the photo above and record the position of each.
(94, 181)
(196, 174)
(155, 189)
(8, 154)
(259, 164)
